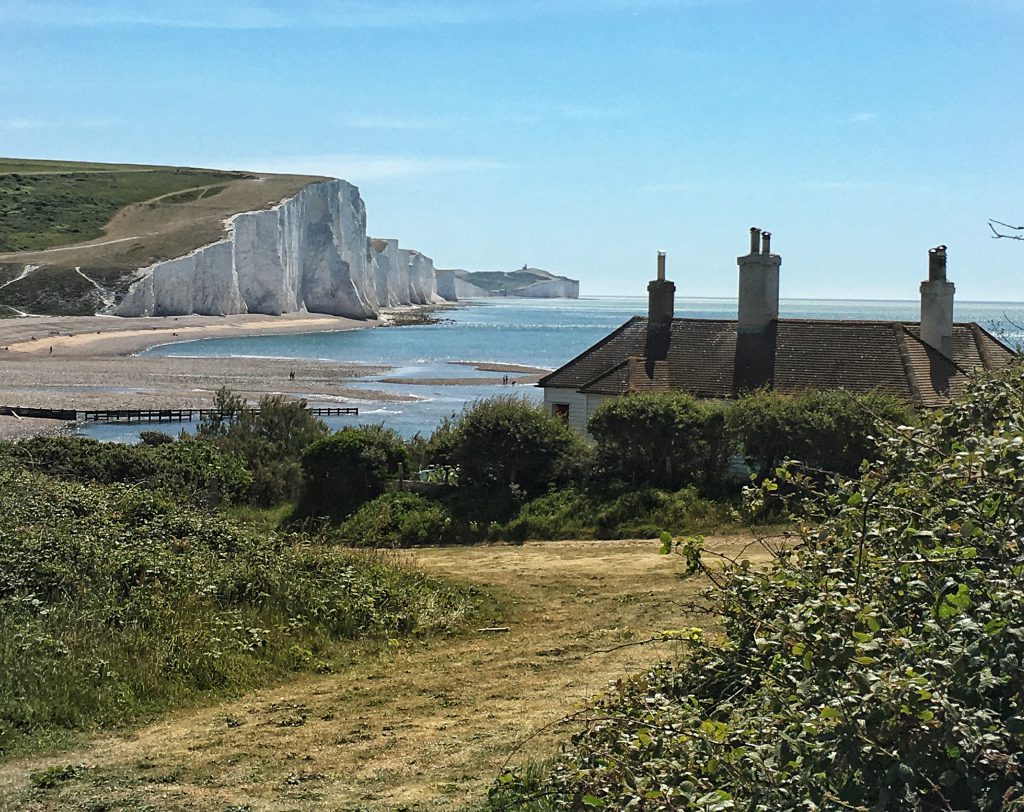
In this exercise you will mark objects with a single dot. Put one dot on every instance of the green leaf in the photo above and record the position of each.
(953, 603)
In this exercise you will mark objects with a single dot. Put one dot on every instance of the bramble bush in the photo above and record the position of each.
(877, 665)
(189, 470)
(400, 520)
(116, 603)
(643, 513)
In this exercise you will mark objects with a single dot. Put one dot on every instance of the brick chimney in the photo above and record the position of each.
(759, 284)
(754, 365)
(937, 304)
(661, 295)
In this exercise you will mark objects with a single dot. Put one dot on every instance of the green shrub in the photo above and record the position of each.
(190, 470)
(646, 513)
(115, 603)
(341, 472)
(566, 514)
(574, 514)
(831, 431)
(663, 440)
(270, 441)
(399, 520)
(876, 665)
(506, 443)
(155, 438)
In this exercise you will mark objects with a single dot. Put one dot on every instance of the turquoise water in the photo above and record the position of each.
(542, 333)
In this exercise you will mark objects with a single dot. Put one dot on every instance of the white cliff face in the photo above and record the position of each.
(445, 280)
(387, 279)
(310, 253)
(467, 290)
(454, 284)
(422, 277)
(200, 282)
(551, 289)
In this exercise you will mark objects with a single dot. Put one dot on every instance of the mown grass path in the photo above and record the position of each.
(424, 726)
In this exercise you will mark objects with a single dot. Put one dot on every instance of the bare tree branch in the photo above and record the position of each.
(1002, 235)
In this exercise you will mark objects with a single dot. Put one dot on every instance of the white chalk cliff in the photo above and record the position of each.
(531, 283)
(308, 253)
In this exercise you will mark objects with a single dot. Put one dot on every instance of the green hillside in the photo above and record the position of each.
(46, 204)
(84, 229)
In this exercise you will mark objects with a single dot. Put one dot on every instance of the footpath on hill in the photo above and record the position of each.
(421, 726)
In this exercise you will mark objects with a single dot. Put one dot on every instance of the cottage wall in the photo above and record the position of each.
(581, 406)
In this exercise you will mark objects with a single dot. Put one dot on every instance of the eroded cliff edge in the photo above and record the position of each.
(309, 253)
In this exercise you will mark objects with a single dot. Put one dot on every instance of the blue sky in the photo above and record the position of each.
(576, 136)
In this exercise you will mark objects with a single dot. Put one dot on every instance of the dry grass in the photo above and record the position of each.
(159, 228)
(426, 726)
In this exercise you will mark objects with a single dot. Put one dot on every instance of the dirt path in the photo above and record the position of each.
(425, 726)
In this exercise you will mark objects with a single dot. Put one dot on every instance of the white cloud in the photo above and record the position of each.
(264, 14)
(580, 112)
(863, 185)
(735, 186)
(375, 122)
(242, 14)
(685, 186)
(358, 168)
(21, 124)
(544, 111)
(39, 124)
(185, 14)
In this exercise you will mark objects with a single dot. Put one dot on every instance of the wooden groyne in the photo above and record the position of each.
(150, 415)
(46, 414)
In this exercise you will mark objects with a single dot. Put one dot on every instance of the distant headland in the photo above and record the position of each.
(527, 283)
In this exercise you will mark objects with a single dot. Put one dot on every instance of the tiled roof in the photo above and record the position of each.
(707, 358)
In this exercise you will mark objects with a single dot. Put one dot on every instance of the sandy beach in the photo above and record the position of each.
(91, 362)
(83, 362)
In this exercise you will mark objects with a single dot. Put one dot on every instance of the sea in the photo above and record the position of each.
(543, 333)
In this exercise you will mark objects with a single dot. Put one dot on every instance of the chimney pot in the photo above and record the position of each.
(758, 302)
(661, 296)
(937, 263)
(937, 304)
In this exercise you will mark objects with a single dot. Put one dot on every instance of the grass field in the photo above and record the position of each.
(39, 166)
(89, 227)
(423, 726)
(58, 208)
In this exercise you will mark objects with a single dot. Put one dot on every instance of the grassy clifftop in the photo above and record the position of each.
(86, 227)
